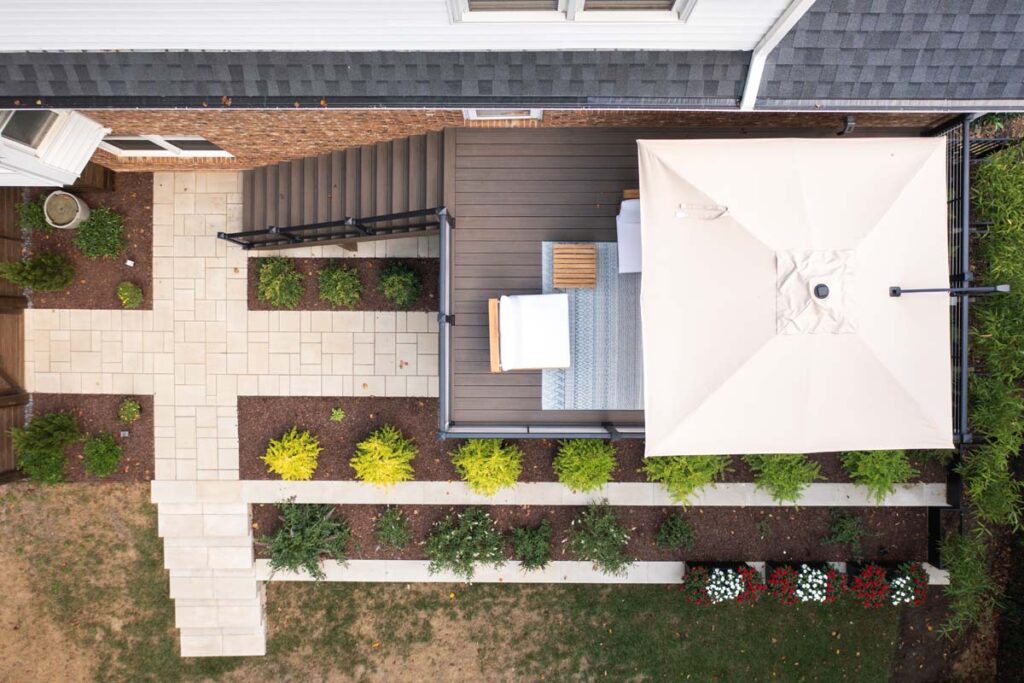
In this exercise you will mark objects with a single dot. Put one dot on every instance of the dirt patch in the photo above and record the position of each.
(96, 280)
(267, 418)
(721, 533)
(98, 413)
(369, 272)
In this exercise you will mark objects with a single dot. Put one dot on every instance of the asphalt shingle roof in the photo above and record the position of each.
(950, 52)
(571, 78)
(900, 50)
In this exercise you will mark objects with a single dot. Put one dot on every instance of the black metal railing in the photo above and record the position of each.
(348, 230)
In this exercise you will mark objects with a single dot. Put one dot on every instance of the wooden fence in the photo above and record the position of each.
(12, 332)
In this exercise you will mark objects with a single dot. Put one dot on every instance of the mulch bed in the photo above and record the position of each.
(266, 418)
(923, 655)
(369, 271)
(721, 533)
(98, 413)
(96, 280)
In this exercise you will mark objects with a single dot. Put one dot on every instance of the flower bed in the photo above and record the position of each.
(369, 270)
(96, 280)
(96, 414)
(720, 533)
(267, 418)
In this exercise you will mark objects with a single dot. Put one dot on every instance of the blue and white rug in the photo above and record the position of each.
(604, 333)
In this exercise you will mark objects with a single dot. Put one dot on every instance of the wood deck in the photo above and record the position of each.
(511, 189)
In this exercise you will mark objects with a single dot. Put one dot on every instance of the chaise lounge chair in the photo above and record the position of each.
(529, 332)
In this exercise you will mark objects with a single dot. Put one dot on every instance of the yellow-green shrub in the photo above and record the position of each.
(294, 456)
(385, 457)
(487, 465)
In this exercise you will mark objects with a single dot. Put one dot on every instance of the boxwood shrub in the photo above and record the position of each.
(340, 285)
(102, 454)
(400, 285)
(101, 235)
(532, 545)
(129, 294)
(279, 282)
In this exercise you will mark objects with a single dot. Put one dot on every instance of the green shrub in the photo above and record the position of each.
(992, 488)
(400, 285)
(337, 415)
(584, 464)
(488, 465)
(462, 540)
(101, 234)
(532, 545)
(340, 285)
(31, 215)
(40, 446)
(878, 471)
(384, 458)
(307, 533)
(845, 528)
(972, 591)
(279, 283)
(675, 533)
(684, 475)
(129, 294)
(47, 272)
(129, 411)
(784, 476)
(392, 528)
(102, 454)
(597, 536)
(294, 456)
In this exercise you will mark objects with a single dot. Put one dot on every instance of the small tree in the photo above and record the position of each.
(40, 446)
(47, 272)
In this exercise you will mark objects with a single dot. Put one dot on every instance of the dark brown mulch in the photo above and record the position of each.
(369, 271)
(266, 418)
(96, 280)
(923, 655)
(721, 533)
(98, 413)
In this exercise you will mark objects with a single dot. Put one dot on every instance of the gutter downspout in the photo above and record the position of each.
(778, 30)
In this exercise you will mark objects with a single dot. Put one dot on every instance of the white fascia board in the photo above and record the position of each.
(778, 30)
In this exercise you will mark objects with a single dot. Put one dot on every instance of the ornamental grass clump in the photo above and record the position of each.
(597, 536)
(878, 471)
(584, 464)
(784, 476)
(294, 456)
(384, 458)
(279, 282)
(675, 533)
(129, 410)
(340, 285)
(532, 545)
(400, 285)
(462, 540)
(47, 272)
(102, 454)
(488, 465)
(307, 534)
(101, 235)
(392, 528)
(684, 475)
(40, 446)
(129, 294)
(972, 591)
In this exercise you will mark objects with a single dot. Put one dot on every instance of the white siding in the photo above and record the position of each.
(60, 157)
(343, 25)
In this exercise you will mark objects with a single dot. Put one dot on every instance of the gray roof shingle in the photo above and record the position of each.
(899, 50)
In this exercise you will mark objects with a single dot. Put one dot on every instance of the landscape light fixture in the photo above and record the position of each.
(953, 291)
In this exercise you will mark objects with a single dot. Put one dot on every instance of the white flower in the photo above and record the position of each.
(811, 585)
(901, 590)
(724, 585)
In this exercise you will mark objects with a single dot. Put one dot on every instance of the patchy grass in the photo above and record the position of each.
(87, 565)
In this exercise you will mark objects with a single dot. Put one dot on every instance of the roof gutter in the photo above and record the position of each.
(775, 33)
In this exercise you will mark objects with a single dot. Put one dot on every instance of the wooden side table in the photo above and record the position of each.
(575, 266)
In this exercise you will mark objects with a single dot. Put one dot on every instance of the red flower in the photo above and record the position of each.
(694, 585)
(753, 586)
(871, 587)
(782, 585)
(836, 585)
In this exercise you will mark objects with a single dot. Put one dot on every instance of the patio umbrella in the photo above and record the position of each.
(767, 321)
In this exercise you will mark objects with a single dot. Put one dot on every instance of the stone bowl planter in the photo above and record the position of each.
(64, 210)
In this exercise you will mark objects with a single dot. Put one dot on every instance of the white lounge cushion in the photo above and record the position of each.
(534, 331)
(627, 224)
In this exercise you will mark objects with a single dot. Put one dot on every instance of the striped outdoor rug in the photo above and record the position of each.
(604, 333)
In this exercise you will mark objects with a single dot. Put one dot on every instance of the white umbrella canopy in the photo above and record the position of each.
(740, 356)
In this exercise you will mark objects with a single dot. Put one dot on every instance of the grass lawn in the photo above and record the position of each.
(87, 598)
